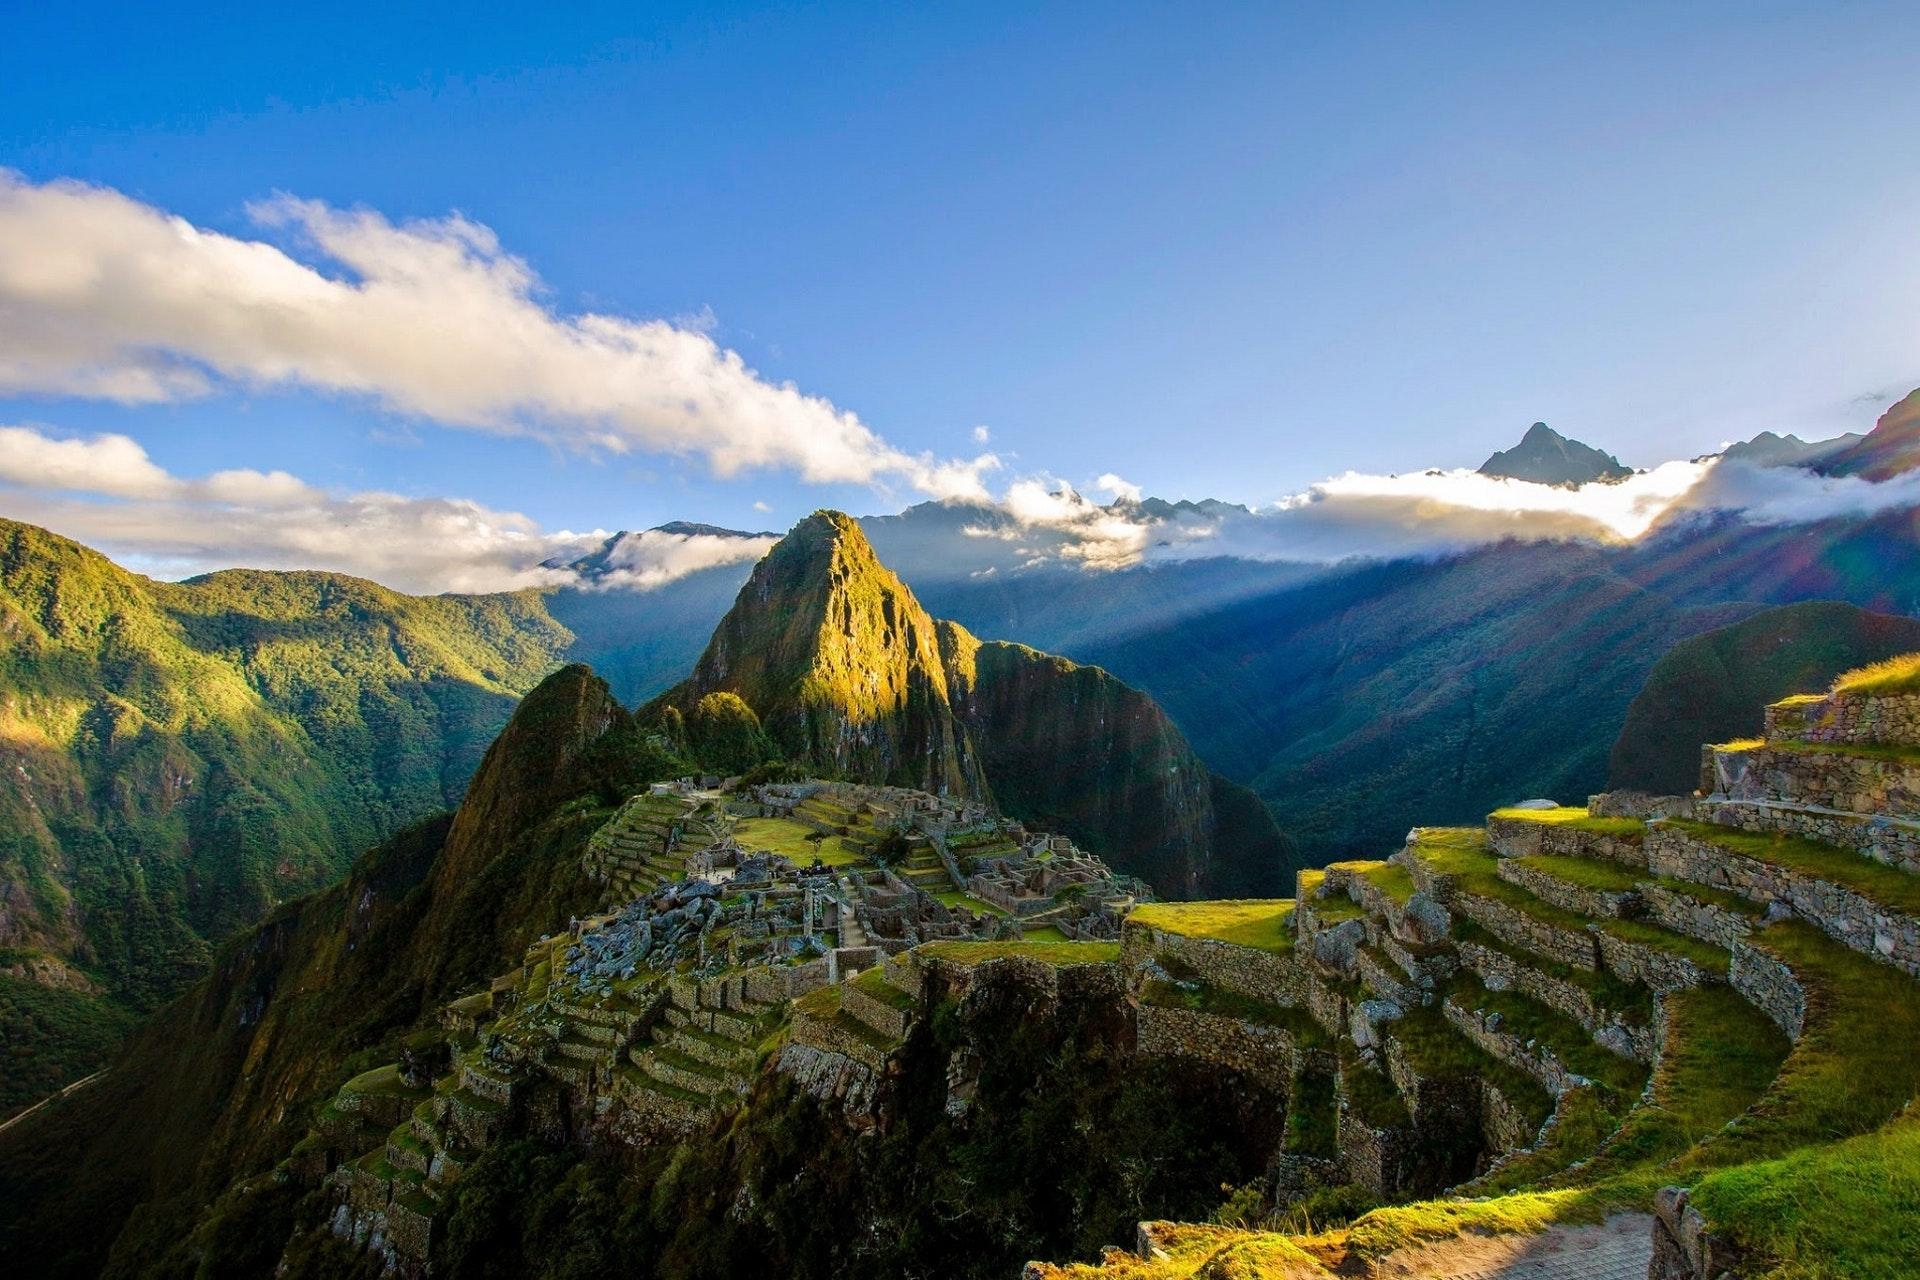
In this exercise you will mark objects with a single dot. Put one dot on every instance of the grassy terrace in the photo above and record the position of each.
(1575, 818)
(788, 837)
(874, 983)
(1889, 751)
(1313, 1116)
(1853, 1068)
(971, 953)
(1888, 886)
(1203, 998)
(1473, 870)
(1438, 1050)
(1629, 1001)
(1585, 873)
(1567, 1040)
(1264, 924)
(1851, 1209)
(1894, 676)
(1390, 878)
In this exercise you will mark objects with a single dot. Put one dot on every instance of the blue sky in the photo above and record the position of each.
(1217, 250)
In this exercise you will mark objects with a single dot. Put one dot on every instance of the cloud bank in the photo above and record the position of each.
(1421, 514)
(106, 492)
(104, 297)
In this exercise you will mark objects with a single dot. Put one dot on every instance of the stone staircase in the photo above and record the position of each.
(923, 869)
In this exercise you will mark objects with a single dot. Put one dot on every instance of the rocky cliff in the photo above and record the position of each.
(852, 678)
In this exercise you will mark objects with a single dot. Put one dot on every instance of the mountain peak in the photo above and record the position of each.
(1544, 456)
(1891, 448)
(841, 664)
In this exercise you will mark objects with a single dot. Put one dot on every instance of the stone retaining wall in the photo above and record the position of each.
(1848, 718)
(1643, 805)
(1663, 971)
(1820, 779)
(1766, 982)
(832, 1077)
(1685, 1247)
(1567, 895)
(1501, 972)
(1276, 978)
(1518, 929)
(1517, 837)
(878, 1014)
(1508, 1048)
(1839, 912)
(830, 1035)
(1261, 1053)
(1884, 839)
(1675, 910)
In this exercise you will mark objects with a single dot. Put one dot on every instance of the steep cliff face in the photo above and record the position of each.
(852, 677)
(841, 664)
(1071, 749)
(220, 1083)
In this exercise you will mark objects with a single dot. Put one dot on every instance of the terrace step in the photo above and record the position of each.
(1872, 908)
(1877, 781)
(669, 1066)
(1894, 841)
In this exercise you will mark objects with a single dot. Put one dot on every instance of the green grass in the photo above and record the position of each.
(383, 1080)
(1046, 933)
(1334, 908)
(1229, 1004)
(1884, 679)
(1388, 877)
(1596, 874)
(1847, 1210)
(1891, 752)
(1438, 1050)
(1262, 923)
(874, 983)
(1721, 1056)
(788, 837)
(1574, 818)
(955, 898)
(1372, 1097)
(1888, 886)
(1629, 1001)
(971, 953)
(1529, 1020)
(1313, 1115)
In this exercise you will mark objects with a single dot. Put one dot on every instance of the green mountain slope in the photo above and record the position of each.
(1712, 688)
(218, 1085)
(176, 759)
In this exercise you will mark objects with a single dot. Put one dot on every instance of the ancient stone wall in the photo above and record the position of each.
(1769, 985)
(1261, 1053)
(1840, 913)
(1567, 895)
(1277, 978)
(1642, 805)
(1517, 837)
(879, 1015)
(1510, 1049)
(1518, 929)
(1889, 840)
(1707, 921)
(1848, 718)
(1821, 779)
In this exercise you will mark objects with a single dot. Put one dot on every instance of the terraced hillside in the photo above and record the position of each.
(1700, 1009)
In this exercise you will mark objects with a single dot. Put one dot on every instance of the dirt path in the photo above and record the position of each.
(1618, 1249)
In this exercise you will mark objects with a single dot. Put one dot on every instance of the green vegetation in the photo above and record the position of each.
(1265, 924)
(52, 1037)
(1206, 998)
(795, 840)
(1875, 881)
(1711, 688)
(1886, 678)
(1441, 1052)
(1530, 1021)
(1313, 1115)
(1577, 819)
(1848, 1210)
(1596, 874)
(874, 983)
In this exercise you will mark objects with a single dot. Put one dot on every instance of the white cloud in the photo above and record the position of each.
(982, 434)
(1418, 514)
(761, 506)
(105, 491)
(102, 296)
(1116, 488)
(652, 558)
